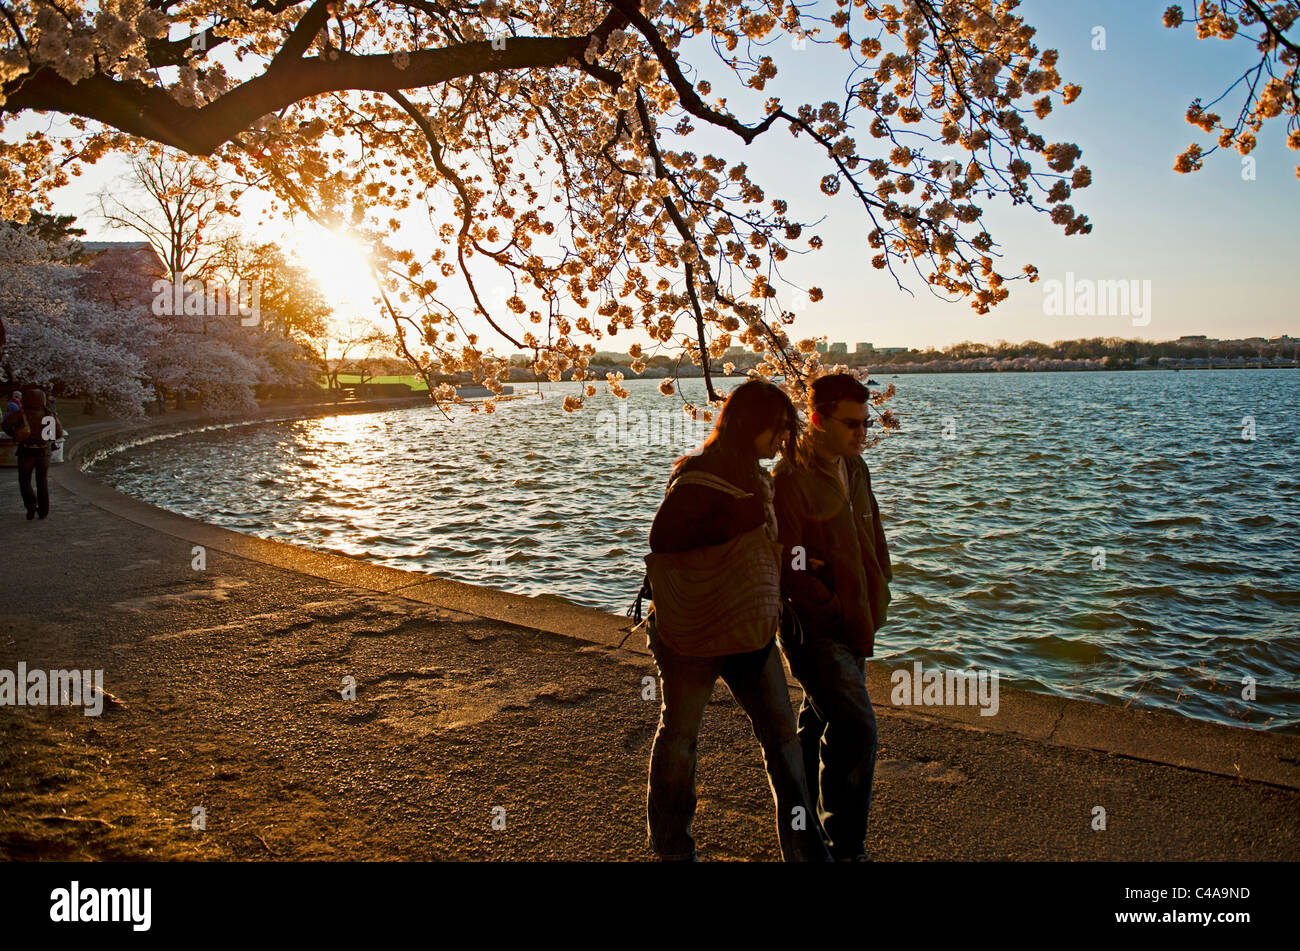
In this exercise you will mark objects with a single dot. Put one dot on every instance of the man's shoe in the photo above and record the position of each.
(31, 514)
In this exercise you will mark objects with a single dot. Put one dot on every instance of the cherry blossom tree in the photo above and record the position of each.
(57, 335)
(290, 299)
(283, 361)
(178, 206)
(217, 366)
(89, 329)
(1270, 88)
(216, 360)
(550, 144)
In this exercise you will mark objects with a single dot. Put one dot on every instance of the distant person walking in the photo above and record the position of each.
(15, 402)
(34, 428)
(835, 574)
(715, 583)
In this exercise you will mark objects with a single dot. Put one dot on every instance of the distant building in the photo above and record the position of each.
(890, 351)
(839, 348)
(1193, 338)
(1284, 338)
(821, 346)
(863, 348)
(137, 255)
(127, 271)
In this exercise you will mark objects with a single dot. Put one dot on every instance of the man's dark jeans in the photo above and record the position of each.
(34, 461)
(757, 681)
(838, 735)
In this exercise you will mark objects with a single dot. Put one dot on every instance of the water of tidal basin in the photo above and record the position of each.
(996, 533)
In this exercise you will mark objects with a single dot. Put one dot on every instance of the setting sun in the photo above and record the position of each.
(339, 264)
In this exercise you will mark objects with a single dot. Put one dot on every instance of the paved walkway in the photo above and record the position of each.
(475, 709)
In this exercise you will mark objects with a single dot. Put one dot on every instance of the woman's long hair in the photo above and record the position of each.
(750, 410)
(36, 406)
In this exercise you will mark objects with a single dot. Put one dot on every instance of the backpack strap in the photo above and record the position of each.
(634, 611)
(709, 481)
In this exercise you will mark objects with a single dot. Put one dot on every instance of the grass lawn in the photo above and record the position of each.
(70, 414)
(414, 382)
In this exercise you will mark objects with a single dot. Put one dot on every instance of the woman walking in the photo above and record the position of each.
(714, 578)
(35, 429)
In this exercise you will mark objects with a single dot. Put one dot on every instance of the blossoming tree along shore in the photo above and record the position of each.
(546, 141)
(90, 327)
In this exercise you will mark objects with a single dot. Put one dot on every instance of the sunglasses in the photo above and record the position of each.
(853, 424)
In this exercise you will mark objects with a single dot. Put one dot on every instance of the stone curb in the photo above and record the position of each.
(1153, 736)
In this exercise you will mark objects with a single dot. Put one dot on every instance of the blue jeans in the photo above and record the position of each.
(838, 735)
(757, 681)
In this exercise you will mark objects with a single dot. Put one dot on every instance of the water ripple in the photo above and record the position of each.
(1090, 534)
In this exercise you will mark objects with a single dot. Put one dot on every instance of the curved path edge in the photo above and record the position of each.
(1154, 736)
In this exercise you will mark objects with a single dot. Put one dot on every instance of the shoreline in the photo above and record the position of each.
(231, 736)
(918, 368)
(1180, 741)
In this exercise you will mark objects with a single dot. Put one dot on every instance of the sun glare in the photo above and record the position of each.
(339, 265)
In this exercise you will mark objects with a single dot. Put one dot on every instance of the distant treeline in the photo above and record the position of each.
(1121, 352)
(1101, 352)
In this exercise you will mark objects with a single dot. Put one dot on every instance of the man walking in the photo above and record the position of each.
(835, 579)
(34, 427)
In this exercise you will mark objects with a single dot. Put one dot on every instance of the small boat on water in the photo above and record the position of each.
(478, 391)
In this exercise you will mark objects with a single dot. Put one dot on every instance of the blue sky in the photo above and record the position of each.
(1220, 252)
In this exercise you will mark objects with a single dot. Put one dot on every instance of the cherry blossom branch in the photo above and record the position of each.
(131, 106)
(467, 205)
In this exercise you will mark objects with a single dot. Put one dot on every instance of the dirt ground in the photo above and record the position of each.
(467, 739)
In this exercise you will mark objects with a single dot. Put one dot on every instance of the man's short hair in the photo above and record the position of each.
(830, 389)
